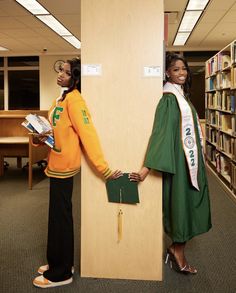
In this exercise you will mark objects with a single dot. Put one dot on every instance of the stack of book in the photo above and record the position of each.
(39, 124)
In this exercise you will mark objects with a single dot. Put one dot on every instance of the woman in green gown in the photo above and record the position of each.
(186, 209)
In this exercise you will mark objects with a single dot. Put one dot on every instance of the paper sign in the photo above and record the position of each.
(92, 69)
(152, 71)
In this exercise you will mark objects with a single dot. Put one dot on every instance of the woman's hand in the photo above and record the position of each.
(139, 176)
(115, 175)
(40, 137)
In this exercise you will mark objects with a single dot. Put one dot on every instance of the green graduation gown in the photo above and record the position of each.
(186, 210)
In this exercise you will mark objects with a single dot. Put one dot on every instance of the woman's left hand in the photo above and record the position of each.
(41, 137)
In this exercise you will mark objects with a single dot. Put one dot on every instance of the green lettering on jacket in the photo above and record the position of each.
(85, 117)
(56, 115)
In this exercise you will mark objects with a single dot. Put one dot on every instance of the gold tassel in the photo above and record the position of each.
(120, 225)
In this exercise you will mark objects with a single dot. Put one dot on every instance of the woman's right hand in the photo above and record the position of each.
(139, 176)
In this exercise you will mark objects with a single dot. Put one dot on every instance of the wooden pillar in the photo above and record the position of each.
(122, 37)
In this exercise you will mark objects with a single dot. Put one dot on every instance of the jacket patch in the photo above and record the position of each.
(85, 117)
(56, 115)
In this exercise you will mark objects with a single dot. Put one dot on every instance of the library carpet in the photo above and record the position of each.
(23, 226)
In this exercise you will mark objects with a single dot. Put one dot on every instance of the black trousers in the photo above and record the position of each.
(60, 246)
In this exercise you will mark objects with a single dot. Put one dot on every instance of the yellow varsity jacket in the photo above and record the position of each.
(73, 127)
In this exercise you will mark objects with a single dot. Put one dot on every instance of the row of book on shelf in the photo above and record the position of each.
(222, 142)
(223, 165)
(233, 176)
(222, 121)
(223, 100)
(218, 62)
(222, 80)
(222, 60)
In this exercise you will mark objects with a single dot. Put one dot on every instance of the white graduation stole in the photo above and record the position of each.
(187, 131)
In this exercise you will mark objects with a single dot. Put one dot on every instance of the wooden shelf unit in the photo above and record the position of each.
(220, 104)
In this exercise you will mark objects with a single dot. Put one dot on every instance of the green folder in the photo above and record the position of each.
(122, 190)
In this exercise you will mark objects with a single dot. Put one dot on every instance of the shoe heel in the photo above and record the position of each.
(167, 258)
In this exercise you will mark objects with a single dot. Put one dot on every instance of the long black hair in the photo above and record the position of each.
(75, 67)
(171, 58)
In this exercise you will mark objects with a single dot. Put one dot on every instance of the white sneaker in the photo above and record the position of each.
(44, 268)
(42, 282)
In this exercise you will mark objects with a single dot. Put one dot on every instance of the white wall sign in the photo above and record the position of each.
(92, 69)
(152, 71)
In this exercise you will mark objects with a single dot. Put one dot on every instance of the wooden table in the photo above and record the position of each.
(13, 146)
(16, 142)
(21, 146)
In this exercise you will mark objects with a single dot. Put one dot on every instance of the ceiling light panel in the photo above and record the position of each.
(73, 41)
(54, 24)
(181, 39)
(42, 14)
(191, 16)
(3, 49)
(33, 6)
(197, 4)
(189, 20)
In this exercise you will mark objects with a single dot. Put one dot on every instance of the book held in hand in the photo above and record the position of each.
(39, 124)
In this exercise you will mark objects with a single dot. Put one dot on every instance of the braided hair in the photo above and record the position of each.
(171, 58)
(75, 66)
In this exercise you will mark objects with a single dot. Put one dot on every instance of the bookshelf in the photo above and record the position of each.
(220, 104)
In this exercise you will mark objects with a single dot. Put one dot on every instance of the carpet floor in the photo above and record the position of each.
(23, 233)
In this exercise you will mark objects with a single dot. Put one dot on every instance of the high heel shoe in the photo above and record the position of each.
(187, 269)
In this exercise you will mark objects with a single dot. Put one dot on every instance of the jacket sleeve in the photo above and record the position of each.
(83, 125)
(160, 153)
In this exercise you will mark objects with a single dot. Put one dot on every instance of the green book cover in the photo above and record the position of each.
(122, 190)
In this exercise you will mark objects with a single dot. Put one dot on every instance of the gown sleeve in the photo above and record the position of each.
(160, 153)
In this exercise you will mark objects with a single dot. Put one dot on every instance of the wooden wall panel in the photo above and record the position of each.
(122, 36)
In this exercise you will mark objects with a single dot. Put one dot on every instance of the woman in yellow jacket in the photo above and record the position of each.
(72, 128)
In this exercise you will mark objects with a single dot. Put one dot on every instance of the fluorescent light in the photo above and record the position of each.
(181, 38)
(42, 14)
(3, 49)
(54, 24)
(189, 20)
(197, 4)
(33, 6)
(73, 41)
(191, 16)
